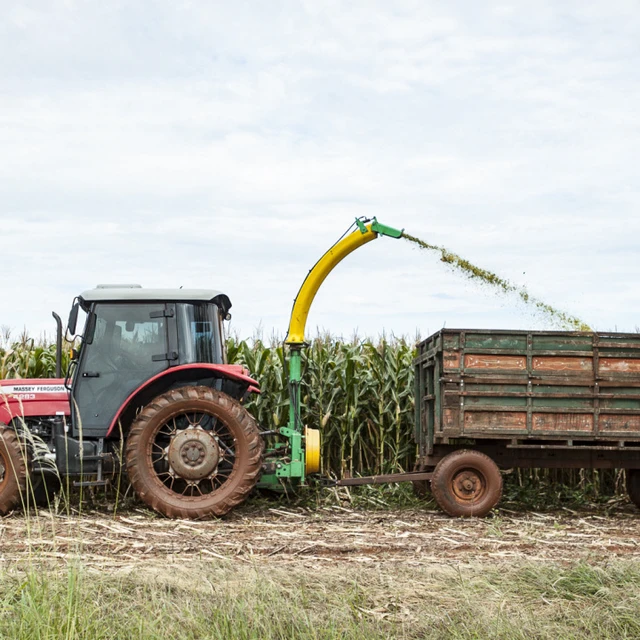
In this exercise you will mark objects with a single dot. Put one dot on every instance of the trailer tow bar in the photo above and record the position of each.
(392, 477)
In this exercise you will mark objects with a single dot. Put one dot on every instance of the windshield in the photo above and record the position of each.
(199, 336)
(128, 346)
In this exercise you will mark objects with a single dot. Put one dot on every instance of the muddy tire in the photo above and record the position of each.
(633, 486)
(193, 452)
(14, 464)
(467, 483)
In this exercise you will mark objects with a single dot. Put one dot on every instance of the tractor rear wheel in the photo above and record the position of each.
(194, 452)
(466, 483)
(633, 486)
(14, 463)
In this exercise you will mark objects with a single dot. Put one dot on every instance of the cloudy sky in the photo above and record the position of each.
(227, 145)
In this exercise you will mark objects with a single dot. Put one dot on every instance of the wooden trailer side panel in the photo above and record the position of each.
(527, 385)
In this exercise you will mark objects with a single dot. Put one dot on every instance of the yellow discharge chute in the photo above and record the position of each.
(317, 276)
(365, 233)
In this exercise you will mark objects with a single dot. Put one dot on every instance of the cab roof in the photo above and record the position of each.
(137, 293)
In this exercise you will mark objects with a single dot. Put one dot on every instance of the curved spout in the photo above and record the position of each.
(302, 304)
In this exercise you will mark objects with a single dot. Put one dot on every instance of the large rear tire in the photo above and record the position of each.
(194, 452)
(14, 464)
(467, 483)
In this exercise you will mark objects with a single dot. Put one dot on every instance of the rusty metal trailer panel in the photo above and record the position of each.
(559, 388)
(491, 400)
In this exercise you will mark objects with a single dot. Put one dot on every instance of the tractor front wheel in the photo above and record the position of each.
(466, 483)
(14, 463)
(194, 452)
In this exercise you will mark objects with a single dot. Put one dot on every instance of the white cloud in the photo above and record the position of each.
(229, 144)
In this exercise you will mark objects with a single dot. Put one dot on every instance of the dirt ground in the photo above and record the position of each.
(326, 535)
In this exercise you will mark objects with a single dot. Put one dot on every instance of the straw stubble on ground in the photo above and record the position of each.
(327, 535)
(334, 572)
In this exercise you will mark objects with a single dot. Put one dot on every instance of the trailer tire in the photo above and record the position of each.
(633, 486)
(209, 464)
(467, 483)
(14, 465)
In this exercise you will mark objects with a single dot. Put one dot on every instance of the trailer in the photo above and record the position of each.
(492, 400)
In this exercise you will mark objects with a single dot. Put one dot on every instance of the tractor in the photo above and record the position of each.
(148, 387)
(148, 390)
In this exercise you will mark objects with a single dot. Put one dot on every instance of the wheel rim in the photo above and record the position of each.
(193, 454)
(468, 486)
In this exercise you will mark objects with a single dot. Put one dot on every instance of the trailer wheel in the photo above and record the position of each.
(14, 462)
(194, 452)
(467, 483)
(633, 486)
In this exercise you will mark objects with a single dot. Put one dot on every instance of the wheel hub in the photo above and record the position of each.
(468, 485)
(193, 454)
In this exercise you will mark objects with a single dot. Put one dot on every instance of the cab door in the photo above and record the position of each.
(129, 345)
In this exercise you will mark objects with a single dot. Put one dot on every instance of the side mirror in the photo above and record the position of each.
(73, 319)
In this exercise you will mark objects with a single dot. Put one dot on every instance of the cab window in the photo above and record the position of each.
(199, 337)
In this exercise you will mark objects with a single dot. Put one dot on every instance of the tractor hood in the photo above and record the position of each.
(27, 398)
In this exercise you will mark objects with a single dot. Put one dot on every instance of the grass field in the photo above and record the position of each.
(326, 572)
(219, 599)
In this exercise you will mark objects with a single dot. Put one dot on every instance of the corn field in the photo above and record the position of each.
(359, 393)
(28, 357)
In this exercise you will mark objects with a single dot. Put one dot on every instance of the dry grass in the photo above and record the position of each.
(322, 535)
(332, 572)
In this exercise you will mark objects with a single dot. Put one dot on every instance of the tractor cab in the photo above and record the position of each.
(132, 335)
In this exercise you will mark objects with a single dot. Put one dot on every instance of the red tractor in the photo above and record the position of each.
(147, 388)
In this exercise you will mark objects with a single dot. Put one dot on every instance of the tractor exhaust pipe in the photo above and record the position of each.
(56, 317)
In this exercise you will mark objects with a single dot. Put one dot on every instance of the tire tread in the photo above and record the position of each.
(442, 495)
(190, 510)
